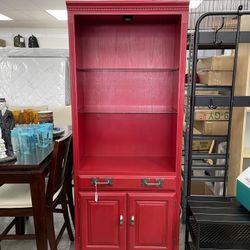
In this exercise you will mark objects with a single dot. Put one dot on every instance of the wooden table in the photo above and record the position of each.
(32, 169)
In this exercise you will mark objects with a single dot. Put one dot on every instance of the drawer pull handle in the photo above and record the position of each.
(121, 220)
(146, 183)
(132, 220)
(97, 182)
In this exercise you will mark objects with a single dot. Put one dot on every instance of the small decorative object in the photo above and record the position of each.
(2, 43)
(45, 116)
(3, 155)
(19, 41)
(7, 123)
(33, 43)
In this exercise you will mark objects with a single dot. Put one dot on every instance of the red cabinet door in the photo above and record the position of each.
(102, 223)
(150, 221)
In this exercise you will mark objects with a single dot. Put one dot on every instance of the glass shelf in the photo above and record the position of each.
(128, 91)
(127, 110)
(127, 69)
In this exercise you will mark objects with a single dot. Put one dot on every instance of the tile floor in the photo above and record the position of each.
(65, 243)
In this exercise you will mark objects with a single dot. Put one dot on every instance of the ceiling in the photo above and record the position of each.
(31, 13)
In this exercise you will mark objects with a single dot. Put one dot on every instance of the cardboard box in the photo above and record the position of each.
(243, 189)
(224, 63)
(211, 128)
(2, 43)
(196, 131)
(211, 115)
(202, 145)
(199, 92)
(200, 188)
(214, 78)
(199, 145)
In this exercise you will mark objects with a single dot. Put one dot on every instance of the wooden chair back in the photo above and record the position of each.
(69, 166)
(58, 166)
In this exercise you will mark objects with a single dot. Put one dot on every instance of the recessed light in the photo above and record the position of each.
(5, 18)
(60, 15)
(195, 4)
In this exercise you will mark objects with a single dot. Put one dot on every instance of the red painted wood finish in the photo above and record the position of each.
(127, 135)
(100, 226)
(127, 85)
(153, 221)
(128, 183)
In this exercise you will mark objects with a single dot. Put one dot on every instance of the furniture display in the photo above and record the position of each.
(215, 222)
(127, 87)
(23, 192)
(218, 180)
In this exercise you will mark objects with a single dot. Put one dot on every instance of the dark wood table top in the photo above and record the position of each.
(34, 161)
(32, 169)
(30, 161)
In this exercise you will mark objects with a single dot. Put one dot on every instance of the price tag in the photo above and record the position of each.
(96, 193)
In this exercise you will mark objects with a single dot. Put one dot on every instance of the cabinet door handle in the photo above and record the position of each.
(121, 219)
(132, 220)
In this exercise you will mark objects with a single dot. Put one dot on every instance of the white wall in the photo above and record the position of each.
(47, 38)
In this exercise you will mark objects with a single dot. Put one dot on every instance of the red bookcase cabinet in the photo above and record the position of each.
(127, 62)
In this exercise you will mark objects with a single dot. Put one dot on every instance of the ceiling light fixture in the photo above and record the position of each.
(5, 18)
(195, 4)
(60, 15)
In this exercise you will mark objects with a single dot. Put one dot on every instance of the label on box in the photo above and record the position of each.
(211, 115)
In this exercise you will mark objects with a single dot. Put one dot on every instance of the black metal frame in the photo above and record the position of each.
(211, 102)
(227, 38)
(186, 132)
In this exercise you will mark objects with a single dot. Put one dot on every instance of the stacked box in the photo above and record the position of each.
(211, 127)
(201, 145)
(216, 70)
(213, 78)
(200, 188)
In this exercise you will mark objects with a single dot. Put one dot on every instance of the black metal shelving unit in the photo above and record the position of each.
(209, 219)
(206, 42)
(218, 223)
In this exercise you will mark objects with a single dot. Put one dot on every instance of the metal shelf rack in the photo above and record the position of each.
(208, 219)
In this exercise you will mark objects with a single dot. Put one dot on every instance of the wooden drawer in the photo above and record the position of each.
(145, 183)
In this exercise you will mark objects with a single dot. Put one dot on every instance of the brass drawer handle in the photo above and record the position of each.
(146, 183)
(96, 182)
